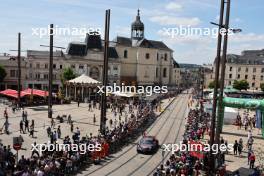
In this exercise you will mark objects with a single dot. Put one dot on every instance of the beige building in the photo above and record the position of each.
(248, 66)
(133, 61)
(10, 65)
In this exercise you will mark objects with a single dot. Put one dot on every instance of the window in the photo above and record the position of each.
(46, 76)
(115, 68)
(239, 69)
(229, 82)
(261, 77)
(246, 76)
(12, 73)
(125, 54)
(46, 66)
(165, 56)
(30, 65)
(230, 68)
(164, 72)
(254, 70)
(37, 76)
(37, 65)
(253, 84)
(238, 76)
(54, 66)
(157, 56)
(147, 56)
(60, 66)
(230, 75)
(73, 66)
(157, 72)
(262, 70)
(246, 69)
(253, 77)
(81, 66)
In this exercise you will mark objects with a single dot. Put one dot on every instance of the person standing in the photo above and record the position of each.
(252, 159)
(31, 132)
(32, 123)
(235, 147)
(26, 125)
(94, 119)
(23, 116)
(26, 115)
(52, 123)
(59, 132)
(240, 146)
(71, 126)
(21, 127)
(6, 124)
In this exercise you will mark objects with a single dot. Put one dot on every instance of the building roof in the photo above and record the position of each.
(137, 24)
(125, 41)
(84, 79)
(247, 57)
(92, 43)
(39, 53)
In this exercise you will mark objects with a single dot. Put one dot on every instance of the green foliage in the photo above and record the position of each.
(2, 73)
(67, 75)
(211, 85)
(262, 86)
(241, 85)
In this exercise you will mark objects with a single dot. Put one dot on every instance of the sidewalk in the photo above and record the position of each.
(233, 163)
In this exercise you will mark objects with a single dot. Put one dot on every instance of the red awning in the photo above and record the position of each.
(13, 93)
(36, 92)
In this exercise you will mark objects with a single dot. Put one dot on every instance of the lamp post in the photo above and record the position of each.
(217, 63)
(50, 69)
(222, 81)
(18, 69)
(105, 73)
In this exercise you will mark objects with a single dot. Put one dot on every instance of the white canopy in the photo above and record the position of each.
(123, 94)
(84, 79)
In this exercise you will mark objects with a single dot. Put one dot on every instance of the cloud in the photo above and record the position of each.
(122, 31)
(172, 20)
(250, 37)
(173, 6)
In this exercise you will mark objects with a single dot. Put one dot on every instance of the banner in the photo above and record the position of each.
(258, 118)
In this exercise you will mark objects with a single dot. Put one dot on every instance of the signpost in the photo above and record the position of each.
(17, 144)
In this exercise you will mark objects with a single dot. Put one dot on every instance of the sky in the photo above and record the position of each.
(160, 17)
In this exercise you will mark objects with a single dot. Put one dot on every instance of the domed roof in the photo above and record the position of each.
(137, 24)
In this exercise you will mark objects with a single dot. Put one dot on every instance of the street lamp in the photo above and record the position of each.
(223, 65)
(50, 69)
(19, 69)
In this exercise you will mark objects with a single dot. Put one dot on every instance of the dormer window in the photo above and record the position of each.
(125, 54)
(147, 56)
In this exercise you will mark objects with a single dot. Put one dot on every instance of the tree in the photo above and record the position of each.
(67, 75)
(241, 85)
(211, 85)
(262, 86)
(2, 73)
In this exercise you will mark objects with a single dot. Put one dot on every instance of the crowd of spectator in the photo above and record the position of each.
(69, 162)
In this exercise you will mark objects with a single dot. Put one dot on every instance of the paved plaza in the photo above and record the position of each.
(83, 119)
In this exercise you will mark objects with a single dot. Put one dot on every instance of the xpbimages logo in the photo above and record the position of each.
(147, 90)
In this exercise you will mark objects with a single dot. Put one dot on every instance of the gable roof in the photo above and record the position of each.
(125, 41)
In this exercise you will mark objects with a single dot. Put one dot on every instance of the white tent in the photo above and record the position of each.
(230, 115)
(84, 79)
(82, 82)
(124, 94)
